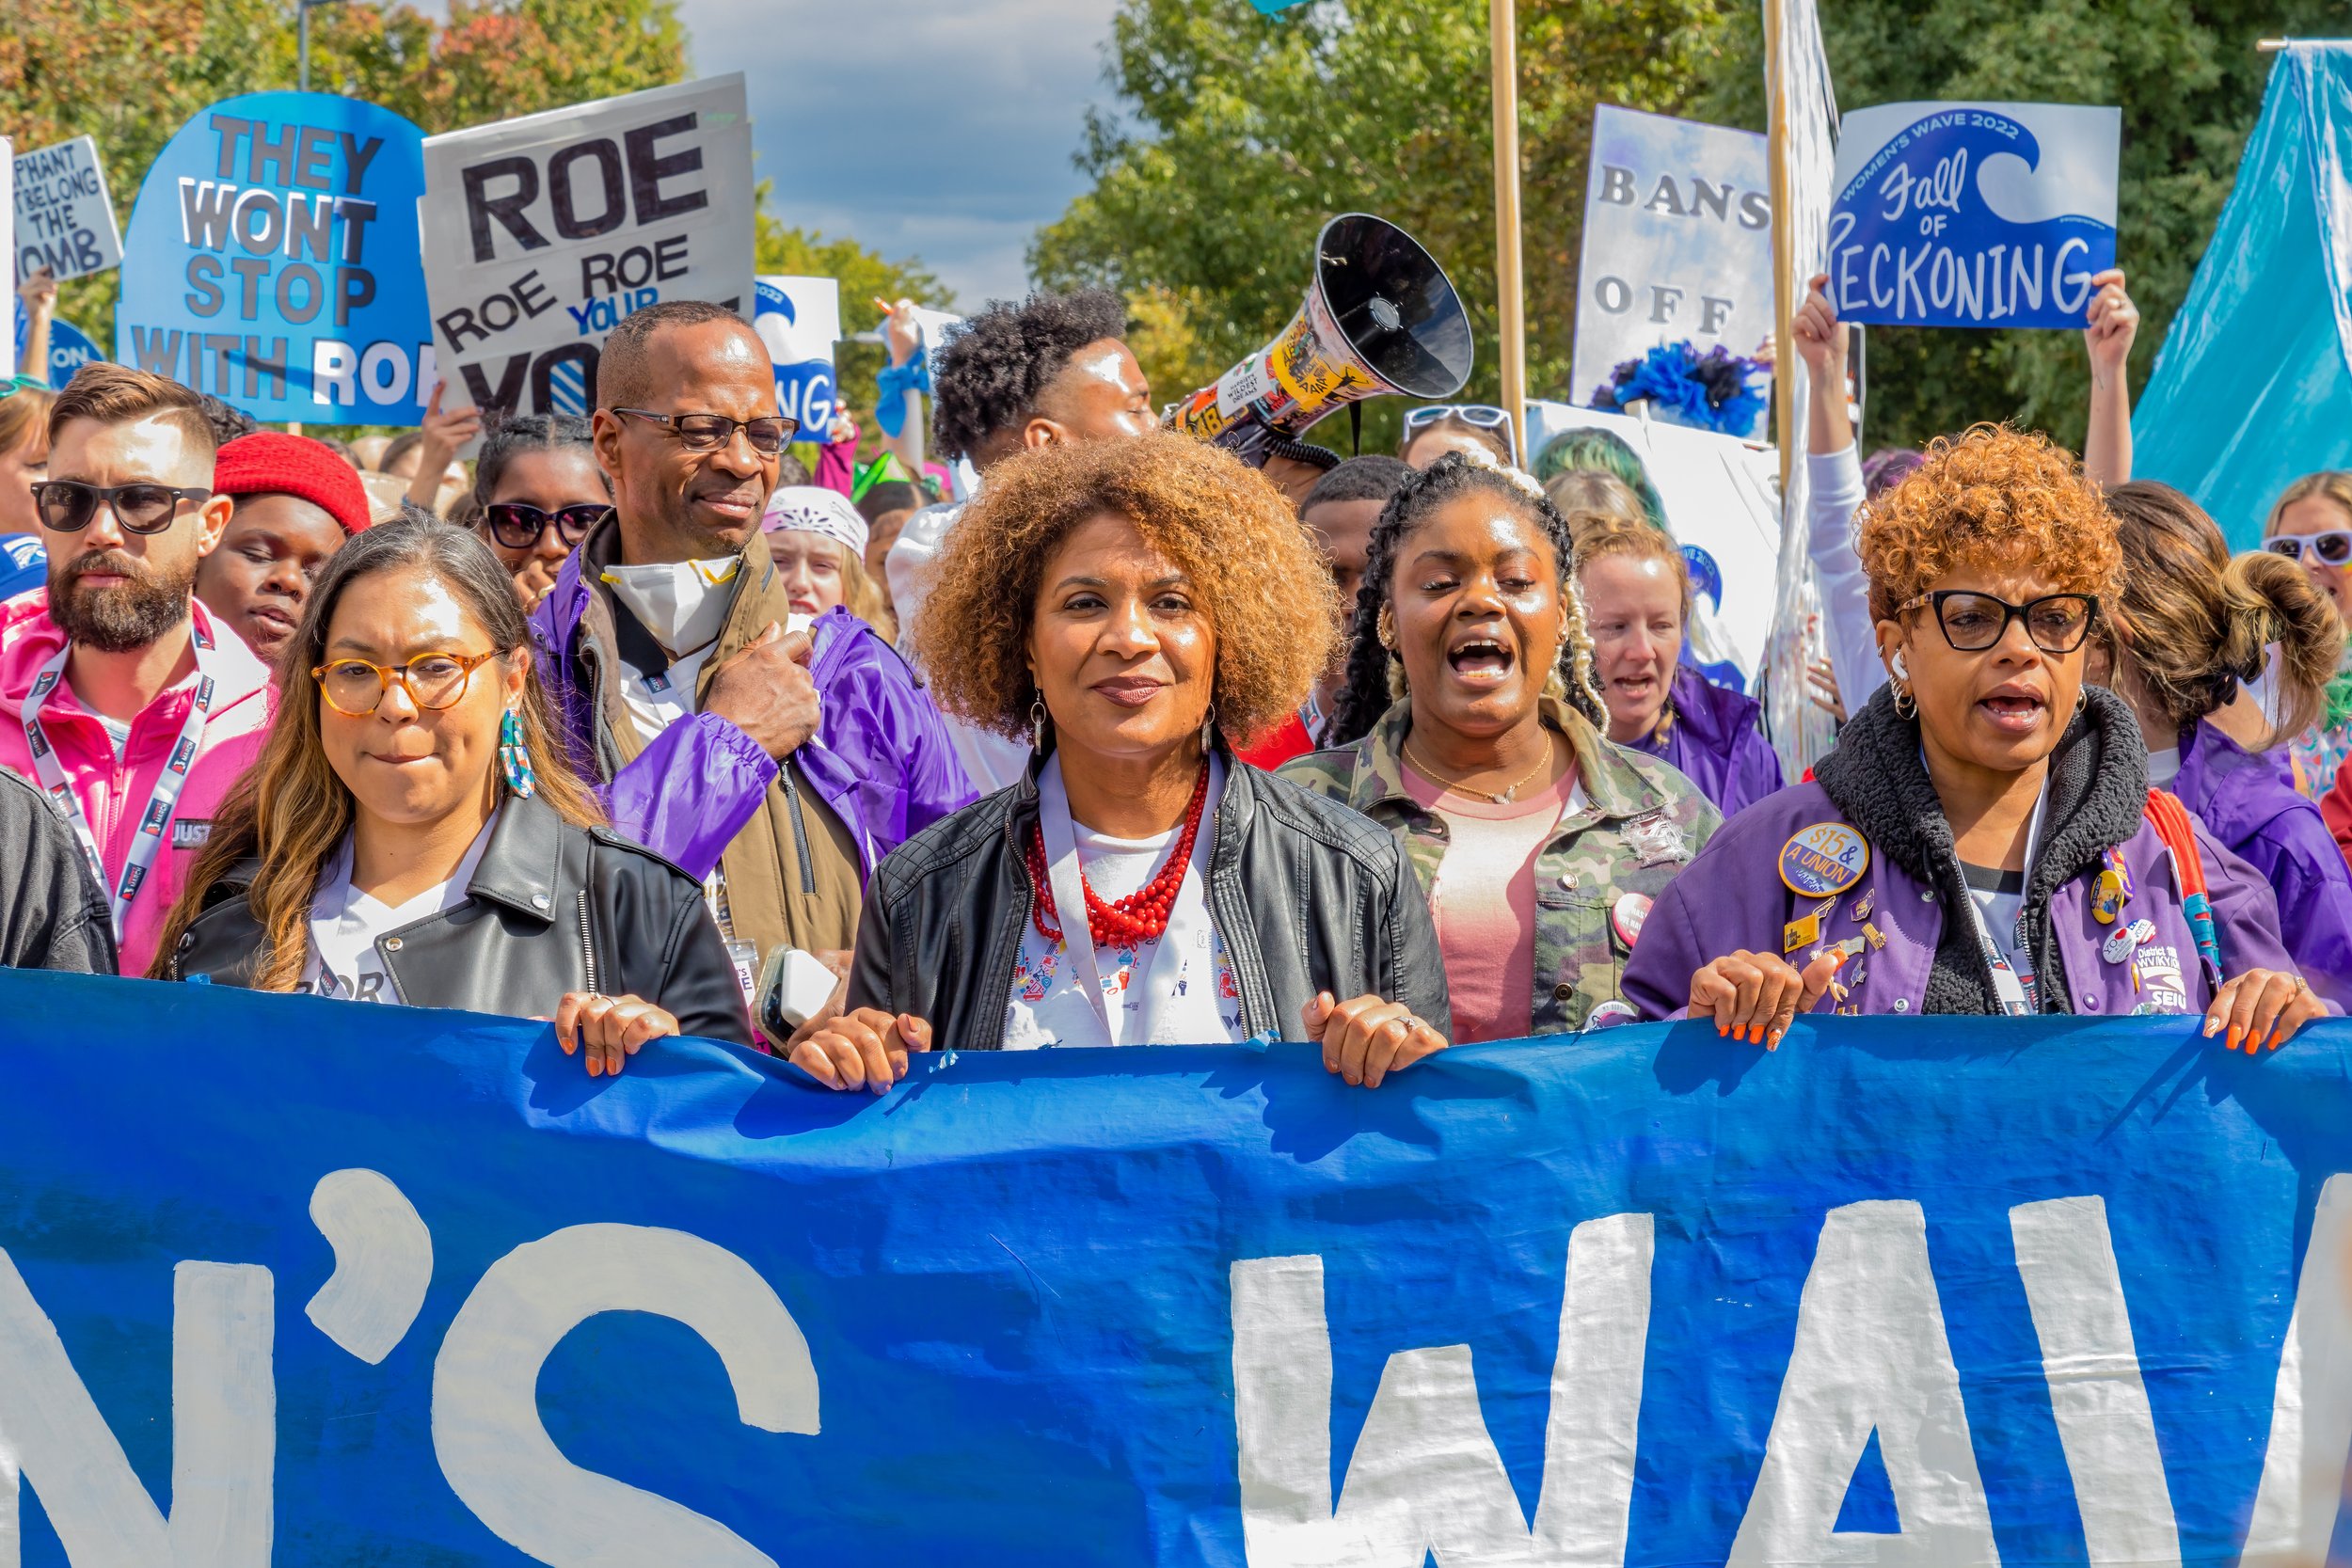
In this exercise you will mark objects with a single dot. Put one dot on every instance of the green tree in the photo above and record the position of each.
(131, 73)
(864, 276)
(1236, 135)
(2189, 80)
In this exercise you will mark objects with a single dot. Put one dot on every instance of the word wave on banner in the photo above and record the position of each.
(1972, 214)
(271, 261)
(372, 1285)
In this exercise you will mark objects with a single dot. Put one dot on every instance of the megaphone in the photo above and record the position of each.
(1381, 319)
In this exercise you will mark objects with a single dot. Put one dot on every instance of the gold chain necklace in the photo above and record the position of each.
(1501, 798)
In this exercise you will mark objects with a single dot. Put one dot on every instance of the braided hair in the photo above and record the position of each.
(1368, 693)
(506, 437)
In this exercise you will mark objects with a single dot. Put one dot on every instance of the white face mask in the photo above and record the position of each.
(683, 603)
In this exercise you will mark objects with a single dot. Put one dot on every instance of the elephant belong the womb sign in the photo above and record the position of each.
(298, 1281)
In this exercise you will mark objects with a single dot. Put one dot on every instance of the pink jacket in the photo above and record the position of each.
(112, 793)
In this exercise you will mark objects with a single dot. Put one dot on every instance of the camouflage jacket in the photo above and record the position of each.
(1642, 823)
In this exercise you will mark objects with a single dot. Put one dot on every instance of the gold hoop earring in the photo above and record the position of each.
(1385, 630)
(1906, 705)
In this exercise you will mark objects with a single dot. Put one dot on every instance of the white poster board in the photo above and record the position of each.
(800, 320)
(1719, 495)
(541, 234)
(8, 237)
(65, 220)
(1677, 243)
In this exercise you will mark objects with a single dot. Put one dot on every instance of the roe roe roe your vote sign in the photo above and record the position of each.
(543, 232)
(270, 261)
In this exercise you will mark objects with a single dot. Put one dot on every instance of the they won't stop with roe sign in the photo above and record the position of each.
(270, 261)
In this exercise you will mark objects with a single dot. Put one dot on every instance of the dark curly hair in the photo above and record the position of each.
(1260, 577)
(1367, 694)
(994, 367)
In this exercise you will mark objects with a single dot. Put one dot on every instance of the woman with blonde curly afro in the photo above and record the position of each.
(1473, 729)
(1982, 840)
(1123, 606)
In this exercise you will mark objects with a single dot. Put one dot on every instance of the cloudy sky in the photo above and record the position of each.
(941, 129)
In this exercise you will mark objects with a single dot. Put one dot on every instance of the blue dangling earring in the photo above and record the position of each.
(515, 758)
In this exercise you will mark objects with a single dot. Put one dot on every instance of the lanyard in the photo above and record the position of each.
(156, 819)
(1186, 1016)
(2020, 994)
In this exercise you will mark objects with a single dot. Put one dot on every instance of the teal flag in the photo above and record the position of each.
(2254, 386)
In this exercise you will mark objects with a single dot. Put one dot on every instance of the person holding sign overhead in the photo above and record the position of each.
(1982, 840)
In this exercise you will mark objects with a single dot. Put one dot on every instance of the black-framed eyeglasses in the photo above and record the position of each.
(1972, 621)
(67, 505)
(769, 435)
(519, 526)
(2334, 547)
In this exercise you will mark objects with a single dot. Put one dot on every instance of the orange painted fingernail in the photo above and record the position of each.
(2235, 1034)
(2277, 1037)
(1722, 1029)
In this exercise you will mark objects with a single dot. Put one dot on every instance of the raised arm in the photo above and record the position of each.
(2113, 322)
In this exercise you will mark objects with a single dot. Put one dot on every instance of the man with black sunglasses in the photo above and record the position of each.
(666, 645)
(116, 682)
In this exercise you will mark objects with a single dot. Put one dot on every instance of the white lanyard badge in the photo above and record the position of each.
(2020, 996)
(1173, 1016)
(156, 819)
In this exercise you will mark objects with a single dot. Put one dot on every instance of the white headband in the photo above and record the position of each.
(813, 508)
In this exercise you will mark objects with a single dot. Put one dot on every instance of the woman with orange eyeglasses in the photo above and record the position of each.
(411, 833)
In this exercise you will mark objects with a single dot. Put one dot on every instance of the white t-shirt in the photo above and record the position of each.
(1047, 1007)
(346, 924)
(658, 700)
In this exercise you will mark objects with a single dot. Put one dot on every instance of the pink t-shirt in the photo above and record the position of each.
(1484, 902)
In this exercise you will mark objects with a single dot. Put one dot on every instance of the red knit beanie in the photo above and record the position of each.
(271, 463)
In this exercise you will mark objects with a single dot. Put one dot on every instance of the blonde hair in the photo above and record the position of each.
(863, 598)
(25, 424)
(2192, 622)
(291, 809)
(1590, 490)
(1601, 534)
(2331, 483)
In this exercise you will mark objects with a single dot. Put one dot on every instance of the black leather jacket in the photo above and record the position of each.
(550, 908)
(1308, 895)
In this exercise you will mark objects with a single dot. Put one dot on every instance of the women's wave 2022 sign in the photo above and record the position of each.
(1972, 214)
(273, 261)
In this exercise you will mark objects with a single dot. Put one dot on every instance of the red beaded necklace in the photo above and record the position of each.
(1139, 917)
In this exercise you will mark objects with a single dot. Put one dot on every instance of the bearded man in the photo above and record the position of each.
(115, 683)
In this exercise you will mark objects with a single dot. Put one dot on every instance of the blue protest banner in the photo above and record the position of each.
(347, 1284)
(800, 319)
(272, 261)
(1972, 214)
(69, 348)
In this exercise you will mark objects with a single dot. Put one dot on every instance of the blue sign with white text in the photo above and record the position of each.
(1972, 214)
(69, 349)
(305, 1281)
(272, 261)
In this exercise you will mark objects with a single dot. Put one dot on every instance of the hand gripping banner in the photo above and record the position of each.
(292, 1281)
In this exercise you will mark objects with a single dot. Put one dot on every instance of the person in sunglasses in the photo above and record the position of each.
(1982, 839)
(539, 491)
(411, 835)
(297, 502)
(116, 683)
(1431, 432)
(2311, 524)
(2221, 658)
(666, 646)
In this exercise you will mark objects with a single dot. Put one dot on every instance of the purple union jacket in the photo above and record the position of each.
(1732, 897)
(880, 756)
(2249, 802)
(1716, 743)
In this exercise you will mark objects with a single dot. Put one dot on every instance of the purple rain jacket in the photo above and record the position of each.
(1716, 743)
(2249, 802)
(880, 756)
(1732, 896)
